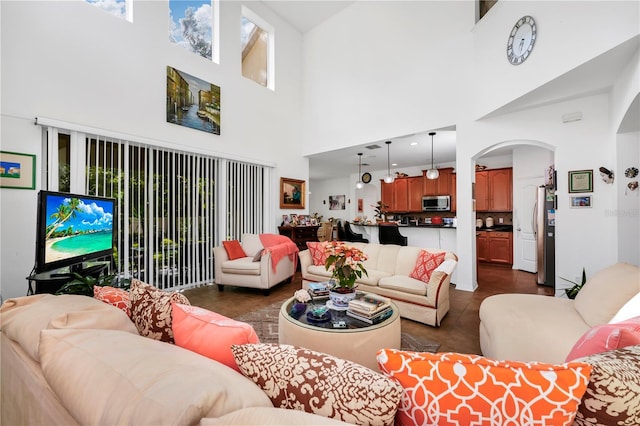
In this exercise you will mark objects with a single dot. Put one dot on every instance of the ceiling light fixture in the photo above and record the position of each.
(432, 173)
(359, 183)
(388, 178)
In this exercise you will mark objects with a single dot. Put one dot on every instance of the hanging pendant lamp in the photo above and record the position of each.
(388, 178)
(432, 173)
(359, 183)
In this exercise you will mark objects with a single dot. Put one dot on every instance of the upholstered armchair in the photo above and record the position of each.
(263, 261)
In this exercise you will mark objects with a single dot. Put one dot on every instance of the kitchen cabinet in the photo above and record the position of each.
(415, 189)
(493, 190)
(395, 195)
(386, 195)
(454, 206)
(440, 186)
(495, 247)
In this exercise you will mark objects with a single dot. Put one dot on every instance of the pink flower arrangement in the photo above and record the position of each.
(346, 262)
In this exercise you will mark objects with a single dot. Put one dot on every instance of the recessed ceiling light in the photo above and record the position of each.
(394, 164)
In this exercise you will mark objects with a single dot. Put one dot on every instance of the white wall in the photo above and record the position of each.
(628, 210)
(383, 69)
(73, 62)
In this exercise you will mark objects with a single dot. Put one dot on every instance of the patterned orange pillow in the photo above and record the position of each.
(117, 297)
(234, 249)
(318, 252)
(456, 389)
(151, 310)
(425, 265)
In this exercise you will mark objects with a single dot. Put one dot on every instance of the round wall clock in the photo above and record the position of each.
(366, 177)
(521, 40)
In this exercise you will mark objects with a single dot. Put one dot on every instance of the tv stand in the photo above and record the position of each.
(51, 281)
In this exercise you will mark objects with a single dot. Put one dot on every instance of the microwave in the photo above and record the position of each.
(436, 203)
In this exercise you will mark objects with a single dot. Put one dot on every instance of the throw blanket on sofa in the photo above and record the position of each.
(279, 246)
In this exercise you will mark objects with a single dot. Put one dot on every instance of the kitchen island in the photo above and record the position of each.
(441, 237)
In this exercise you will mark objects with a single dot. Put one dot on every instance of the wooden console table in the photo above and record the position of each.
(300, 234)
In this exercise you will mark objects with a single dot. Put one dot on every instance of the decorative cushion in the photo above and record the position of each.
(151, 310)
(613, 391)
(318, 383)
(210, 334)
(117, 297)
(23, 318)
(425, 265)
(260, 416)
(106, 377)
(234, 249)
(457, 389)
(258, 256)
(607, 337)
(318, 252)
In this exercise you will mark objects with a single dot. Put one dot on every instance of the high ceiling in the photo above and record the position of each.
(595, 76)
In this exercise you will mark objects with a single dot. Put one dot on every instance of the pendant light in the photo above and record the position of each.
(359, 183)
(432, 173)
(388, 178)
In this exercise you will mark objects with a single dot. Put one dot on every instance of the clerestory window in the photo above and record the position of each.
(257, 38)
(193, 25)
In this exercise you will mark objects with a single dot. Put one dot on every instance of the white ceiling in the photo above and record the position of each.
(595, 76)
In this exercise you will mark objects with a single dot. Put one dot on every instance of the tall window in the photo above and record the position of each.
(191, 26)
(257, 49)
(173, 206)
(120, 8)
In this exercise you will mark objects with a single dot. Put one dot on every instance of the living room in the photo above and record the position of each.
(54, 82)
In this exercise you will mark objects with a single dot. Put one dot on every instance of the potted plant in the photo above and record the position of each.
(379, 210)
(573, 291)
(83, 284)
(346, 265)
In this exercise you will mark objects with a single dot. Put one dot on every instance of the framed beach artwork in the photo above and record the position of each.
(192, 102)
(581, 201)
(17, 170)
(292, 193)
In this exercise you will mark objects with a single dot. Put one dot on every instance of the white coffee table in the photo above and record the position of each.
(359, 342)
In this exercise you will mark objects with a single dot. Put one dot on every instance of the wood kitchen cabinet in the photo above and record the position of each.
(495, 247)
(493, 190)
(415, 189)
(453, 180)
(440, 186)
(395, 195)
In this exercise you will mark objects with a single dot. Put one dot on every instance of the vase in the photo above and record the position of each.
(341, 299)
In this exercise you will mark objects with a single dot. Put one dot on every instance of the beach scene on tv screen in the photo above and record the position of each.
(77, 226)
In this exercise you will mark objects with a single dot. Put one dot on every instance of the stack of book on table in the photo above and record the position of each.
(319, 289)
(370, 308)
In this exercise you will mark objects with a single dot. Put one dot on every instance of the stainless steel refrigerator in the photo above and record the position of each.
(545, 230)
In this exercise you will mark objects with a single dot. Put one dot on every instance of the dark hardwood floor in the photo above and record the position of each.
(459, 329)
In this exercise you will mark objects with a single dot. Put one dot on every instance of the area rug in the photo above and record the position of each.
(265, 323)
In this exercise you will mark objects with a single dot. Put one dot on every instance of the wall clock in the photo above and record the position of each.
(366, 177)
(521, 40)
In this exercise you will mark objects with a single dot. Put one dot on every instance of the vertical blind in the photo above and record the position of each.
(168, 218)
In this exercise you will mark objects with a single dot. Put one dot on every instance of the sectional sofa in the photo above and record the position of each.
(389, 268)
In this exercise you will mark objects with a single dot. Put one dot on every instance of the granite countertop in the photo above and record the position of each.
(497, 228)
(401, 225)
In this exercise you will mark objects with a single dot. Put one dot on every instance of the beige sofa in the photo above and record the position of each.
(257, 269)
(527, 327)
(71, 360)
(388, 267)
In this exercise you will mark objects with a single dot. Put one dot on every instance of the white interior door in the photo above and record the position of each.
(525, 239)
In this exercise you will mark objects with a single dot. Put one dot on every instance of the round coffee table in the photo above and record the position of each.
(358, 342)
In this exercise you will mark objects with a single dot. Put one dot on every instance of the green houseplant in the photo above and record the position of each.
(346, 264)
(379, 210)
(83, 284)
(573, 291)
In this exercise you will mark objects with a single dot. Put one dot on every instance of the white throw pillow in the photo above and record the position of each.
(631, 309)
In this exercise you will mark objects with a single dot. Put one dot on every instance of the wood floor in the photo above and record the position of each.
(459, 329)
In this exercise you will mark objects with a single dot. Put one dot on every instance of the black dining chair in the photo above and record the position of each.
(388, 233)
(353, 236)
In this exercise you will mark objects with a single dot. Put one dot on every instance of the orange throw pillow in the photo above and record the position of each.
(425, 265)
(318, 252)
(210, 334)
(458, 389)
(234, 249)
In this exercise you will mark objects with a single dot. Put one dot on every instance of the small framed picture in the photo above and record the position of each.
(313, 221)
(581, 181)
(581, 201)
(17, 170)
(285, 220)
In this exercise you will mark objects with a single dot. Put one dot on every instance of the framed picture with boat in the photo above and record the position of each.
(17, 170)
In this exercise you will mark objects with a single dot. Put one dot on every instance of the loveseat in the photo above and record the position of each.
(71, 359)
(257, 261)
(528, 327)
(388, 274)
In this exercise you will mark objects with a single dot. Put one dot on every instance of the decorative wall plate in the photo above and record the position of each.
(631, 172)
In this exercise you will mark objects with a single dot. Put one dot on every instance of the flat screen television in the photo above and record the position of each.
(72, 229)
